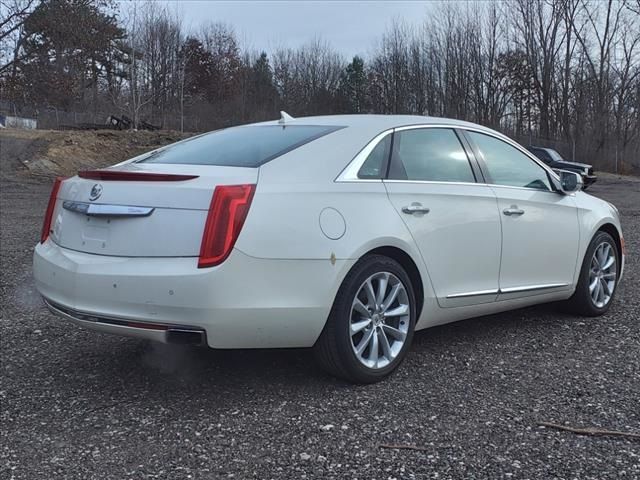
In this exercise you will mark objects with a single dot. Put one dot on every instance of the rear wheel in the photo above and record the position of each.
(598, 277)
(371, 323)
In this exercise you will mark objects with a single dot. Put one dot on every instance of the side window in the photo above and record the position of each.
(506, 165)
(429, 154)
(377, 160)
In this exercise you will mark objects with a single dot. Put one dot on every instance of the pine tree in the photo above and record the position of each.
(263, 96)
(352, 91)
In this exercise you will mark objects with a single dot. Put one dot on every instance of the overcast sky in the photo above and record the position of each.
(352, 27)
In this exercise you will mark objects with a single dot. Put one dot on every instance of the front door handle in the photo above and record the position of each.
(414, 208)
(513, 210)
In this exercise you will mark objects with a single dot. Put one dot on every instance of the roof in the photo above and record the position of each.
(375, 122)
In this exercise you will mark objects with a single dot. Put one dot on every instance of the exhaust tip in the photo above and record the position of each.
(183, 336)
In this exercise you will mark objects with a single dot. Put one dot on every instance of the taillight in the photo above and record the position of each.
(48, 216)
(227, 212)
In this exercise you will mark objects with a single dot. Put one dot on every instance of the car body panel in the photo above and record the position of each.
(539, 247)
(172, 228)
(462, 223)
(593, 214)
(277, 287)
(238, 303)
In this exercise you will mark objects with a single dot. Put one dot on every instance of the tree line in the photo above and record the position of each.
(567, 70)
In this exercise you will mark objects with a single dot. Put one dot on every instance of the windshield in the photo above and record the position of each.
(249, 146)
(555, 155)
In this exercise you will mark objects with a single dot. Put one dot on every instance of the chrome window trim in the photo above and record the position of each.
(434, 182)
(350, 172)
(517, 146)
(528, 189)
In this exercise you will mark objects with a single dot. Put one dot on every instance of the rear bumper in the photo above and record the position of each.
(244, 303)
(163, 333)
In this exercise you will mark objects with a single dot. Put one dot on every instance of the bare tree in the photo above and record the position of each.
(307, 78)
(390, 70)
(604, 24)
(13, 14)
(539, 27)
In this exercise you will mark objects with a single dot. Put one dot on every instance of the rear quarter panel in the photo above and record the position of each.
(284, 219)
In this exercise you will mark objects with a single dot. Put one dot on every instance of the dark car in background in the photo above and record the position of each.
(555, 161)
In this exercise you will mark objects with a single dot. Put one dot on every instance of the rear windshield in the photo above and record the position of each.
(249, 146)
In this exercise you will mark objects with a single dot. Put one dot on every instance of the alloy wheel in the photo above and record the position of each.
(602, 274)
(379, 320)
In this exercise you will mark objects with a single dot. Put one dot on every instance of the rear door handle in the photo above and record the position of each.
(513, 210)
(415, 208)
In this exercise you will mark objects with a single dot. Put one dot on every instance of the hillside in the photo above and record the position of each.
(46, 153)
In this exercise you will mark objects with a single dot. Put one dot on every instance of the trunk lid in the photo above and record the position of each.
(141, 218)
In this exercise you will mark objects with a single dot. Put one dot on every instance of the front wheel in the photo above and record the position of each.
(370, 327)
(598, 277)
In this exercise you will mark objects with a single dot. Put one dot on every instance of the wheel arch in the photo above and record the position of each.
(409, 265)
(612, 230)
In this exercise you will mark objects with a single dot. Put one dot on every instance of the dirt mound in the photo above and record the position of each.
(51, 152)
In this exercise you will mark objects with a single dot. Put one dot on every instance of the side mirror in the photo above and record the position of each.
(570, 182)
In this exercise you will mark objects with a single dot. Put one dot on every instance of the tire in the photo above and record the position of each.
(583, 301)
(336, 348)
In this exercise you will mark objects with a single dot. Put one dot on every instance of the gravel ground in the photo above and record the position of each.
(81, 405)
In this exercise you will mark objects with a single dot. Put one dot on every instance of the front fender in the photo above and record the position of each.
(594, 214)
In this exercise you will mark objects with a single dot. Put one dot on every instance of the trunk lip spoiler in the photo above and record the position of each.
(129, 176)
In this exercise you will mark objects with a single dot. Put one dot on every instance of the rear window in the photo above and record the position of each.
(250, 146)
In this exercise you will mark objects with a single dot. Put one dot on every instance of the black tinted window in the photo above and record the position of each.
(507, 165)
(250, 146)
(377, 160)
(429, 154)
(541, 154)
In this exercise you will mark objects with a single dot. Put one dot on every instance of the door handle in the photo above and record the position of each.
(513, 210)
(415, 208)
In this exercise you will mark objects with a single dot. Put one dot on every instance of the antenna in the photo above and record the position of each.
(285, 117)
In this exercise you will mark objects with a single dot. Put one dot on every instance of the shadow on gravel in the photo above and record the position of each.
(94, 362)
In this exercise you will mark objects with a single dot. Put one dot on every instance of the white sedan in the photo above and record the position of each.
(341, 233)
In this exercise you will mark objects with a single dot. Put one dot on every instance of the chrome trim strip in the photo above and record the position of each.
(94, 323)
(501, 291)
(529, 189)
(432, 182)
(119, 326)
(491, 133)
(350, 172)
(532, 287)
(102, 210)
(474, 294)
(88, 317)
(477, 184)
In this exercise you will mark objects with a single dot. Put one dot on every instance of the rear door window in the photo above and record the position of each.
(248, 146)
(429, 154)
